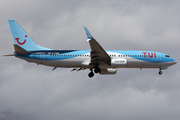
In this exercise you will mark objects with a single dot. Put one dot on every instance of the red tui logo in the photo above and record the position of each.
(19, 42)
(149, 54)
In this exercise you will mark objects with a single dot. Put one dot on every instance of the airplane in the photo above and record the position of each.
(97, 60)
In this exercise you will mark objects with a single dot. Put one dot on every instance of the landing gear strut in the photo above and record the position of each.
(160, 72)
(91, 74)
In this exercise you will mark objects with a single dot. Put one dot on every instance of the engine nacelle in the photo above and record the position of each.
(108, 71)
(118, 62)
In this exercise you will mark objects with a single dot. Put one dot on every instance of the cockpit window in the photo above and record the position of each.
(167, 56)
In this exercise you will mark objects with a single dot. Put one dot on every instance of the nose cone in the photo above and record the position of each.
(173, 61)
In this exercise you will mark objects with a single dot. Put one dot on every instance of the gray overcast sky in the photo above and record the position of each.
(27, 89)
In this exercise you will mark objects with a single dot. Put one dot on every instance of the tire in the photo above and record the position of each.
(160, 72)
(91, 74)
(97, 70)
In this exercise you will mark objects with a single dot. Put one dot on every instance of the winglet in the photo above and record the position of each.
(89, 36)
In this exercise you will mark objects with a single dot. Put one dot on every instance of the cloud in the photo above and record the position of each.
(29, 89)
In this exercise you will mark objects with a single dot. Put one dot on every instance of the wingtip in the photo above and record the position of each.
(89, 36)
(84, 27)
(11, 20)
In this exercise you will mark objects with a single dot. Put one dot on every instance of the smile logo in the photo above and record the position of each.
(22, 42)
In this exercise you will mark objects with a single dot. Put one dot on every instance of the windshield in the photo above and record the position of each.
(167, 56)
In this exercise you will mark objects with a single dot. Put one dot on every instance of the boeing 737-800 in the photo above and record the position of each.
(97, 60)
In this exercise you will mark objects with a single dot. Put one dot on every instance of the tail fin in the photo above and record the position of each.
(22, 39)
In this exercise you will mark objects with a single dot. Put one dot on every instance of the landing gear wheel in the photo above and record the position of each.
(91, 74)
(160, 72)
(96, 70)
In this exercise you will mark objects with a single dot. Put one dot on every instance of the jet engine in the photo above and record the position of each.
(118, 62)
(108, 71)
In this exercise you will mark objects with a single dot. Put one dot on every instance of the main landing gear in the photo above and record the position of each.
(91, 74)
(96, 70)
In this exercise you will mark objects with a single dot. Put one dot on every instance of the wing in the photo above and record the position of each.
(98, 54)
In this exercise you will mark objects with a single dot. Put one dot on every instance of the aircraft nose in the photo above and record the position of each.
(173, 61)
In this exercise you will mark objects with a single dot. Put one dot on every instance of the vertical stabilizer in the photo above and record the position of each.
(22, 39)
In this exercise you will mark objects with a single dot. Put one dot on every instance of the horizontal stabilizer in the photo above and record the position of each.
(8, 55)
(20, 50)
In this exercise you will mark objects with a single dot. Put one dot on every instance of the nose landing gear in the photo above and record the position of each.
(160, 72)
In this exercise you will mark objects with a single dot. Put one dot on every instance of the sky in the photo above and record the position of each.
(35, 92)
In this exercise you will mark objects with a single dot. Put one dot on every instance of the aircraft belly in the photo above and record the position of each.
(30, 60)
(71, 63)
(43, 62)
(135, 63)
